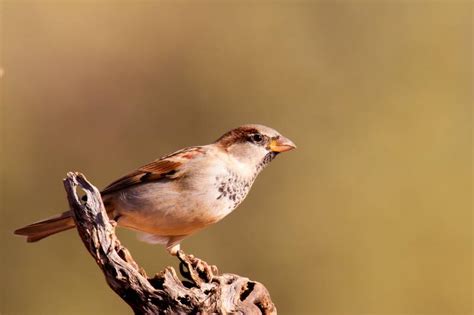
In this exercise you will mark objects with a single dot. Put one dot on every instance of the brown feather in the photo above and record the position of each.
(236, 135)
(38, 230)
(164, 167)
(153, 171)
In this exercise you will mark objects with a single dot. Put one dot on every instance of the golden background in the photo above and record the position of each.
(370, 215)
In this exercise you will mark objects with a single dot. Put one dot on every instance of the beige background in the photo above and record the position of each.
(372, 213)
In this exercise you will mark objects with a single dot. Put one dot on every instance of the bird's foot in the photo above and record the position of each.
(196, 270)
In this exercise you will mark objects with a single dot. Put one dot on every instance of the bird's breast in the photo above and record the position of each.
(231, 190)
(184, 205)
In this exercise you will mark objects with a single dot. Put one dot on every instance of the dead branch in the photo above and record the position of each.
(206, 291)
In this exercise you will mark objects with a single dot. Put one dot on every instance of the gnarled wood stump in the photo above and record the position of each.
(206, 291)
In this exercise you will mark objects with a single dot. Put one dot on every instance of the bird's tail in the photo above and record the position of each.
(39, 230)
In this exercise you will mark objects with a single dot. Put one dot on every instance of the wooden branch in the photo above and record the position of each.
(206, 292)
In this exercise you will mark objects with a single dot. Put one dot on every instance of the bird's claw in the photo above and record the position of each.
(196, 270)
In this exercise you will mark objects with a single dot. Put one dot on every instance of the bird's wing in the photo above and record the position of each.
(168, 167)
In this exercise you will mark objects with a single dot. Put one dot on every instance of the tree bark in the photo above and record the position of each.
(206, 291)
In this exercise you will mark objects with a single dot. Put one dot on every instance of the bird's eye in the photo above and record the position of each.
(256, 137)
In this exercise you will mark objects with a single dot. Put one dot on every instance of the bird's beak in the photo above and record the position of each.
(281, 144)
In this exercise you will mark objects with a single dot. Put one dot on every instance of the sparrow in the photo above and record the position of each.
(183, 192)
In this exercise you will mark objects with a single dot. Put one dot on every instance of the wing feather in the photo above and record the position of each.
(165, 167)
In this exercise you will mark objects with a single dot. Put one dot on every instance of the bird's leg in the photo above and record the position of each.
(191, 268)
(195, 269)
(173, 249)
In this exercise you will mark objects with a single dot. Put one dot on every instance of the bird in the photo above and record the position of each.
(183, 192)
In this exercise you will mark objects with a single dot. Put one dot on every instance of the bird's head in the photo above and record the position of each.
(254, 145)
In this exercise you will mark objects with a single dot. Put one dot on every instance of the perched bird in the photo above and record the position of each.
(181, 193)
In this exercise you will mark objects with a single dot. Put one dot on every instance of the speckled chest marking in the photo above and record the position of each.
(233, 188)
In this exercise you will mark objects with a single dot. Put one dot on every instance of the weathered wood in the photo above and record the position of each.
(206, 291)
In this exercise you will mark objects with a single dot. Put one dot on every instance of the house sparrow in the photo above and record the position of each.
(181, 193)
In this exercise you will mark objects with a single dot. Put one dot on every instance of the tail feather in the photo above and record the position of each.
(39, 230)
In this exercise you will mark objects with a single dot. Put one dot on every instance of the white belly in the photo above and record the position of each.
(178, 207)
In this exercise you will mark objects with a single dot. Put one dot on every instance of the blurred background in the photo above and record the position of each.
(372, 214)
